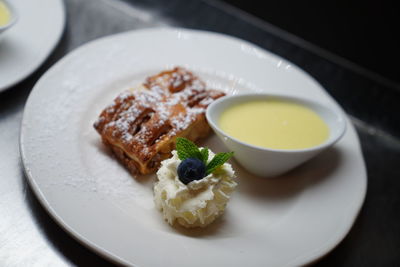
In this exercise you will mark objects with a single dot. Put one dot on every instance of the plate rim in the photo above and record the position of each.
(308, 259)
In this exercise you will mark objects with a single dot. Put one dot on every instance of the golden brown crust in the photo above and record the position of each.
(141, 126)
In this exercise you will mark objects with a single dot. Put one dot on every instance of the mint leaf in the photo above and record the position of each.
(187, 149)
(217, 161)
(204, 154)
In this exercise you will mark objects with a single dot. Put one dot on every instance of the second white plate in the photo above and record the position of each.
(288, 221)
(25, 46)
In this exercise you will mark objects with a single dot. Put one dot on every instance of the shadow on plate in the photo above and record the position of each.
(292, 183)
(101, 148)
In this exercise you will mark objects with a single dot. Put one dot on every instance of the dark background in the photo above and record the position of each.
(362, 32)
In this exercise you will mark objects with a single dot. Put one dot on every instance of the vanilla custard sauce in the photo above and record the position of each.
(276, 124)
(5, 15)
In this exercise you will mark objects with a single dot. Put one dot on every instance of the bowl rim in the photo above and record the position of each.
(331, 140)
(13, 15)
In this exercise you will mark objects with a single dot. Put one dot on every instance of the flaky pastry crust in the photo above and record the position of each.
(141, 125)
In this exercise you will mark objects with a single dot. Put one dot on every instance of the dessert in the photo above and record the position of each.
(193, 188)
(274, 123)
(141, 125)
(5, 15)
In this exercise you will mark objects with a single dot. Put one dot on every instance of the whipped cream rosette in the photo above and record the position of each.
(190, 199)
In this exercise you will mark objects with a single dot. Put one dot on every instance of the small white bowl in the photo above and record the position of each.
(266, 162)
(13, 17)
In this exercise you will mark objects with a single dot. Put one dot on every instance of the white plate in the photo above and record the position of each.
(25, 46)
(280, 222)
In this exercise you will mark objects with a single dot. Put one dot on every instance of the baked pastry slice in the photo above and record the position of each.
(141, 125)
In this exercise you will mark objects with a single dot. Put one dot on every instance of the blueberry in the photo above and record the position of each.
(191, 169)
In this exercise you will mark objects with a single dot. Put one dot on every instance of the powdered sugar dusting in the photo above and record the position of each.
(165, 105)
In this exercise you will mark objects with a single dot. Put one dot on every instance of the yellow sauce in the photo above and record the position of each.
(4, 14)
(274, 124)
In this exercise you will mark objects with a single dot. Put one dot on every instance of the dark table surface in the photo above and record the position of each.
(29, 237)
